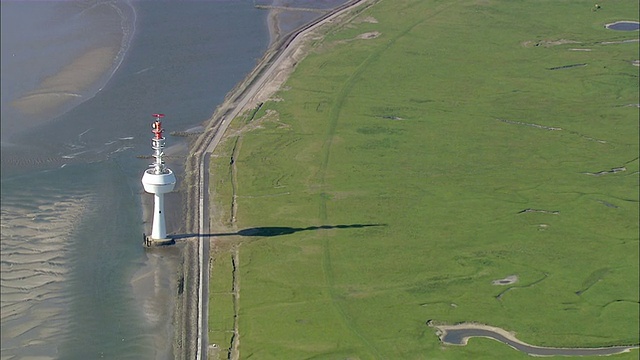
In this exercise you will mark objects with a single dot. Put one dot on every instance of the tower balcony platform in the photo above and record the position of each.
(158, 183)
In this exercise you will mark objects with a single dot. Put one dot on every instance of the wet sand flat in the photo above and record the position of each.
(68, 83)
(34, 272)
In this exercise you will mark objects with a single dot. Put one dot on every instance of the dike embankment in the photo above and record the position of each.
(271, 71)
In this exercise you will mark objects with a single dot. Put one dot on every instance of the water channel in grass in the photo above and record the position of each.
(460, 335)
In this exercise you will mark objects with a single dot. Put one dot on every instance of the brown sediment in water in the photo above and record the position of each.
(68, 82)
(35, 234)
(273, 23)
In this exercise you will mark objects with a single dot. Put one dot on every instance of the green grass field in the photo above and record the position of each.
(440, 133)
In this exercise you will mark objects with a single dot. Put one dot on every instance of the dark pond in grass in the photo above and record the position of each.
(623, 25)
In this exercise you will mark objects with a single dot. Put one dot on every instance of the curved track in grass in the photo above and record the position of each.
(460, 334)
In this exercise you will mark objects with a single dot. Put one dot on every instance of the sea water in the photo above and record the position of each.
(80, 81)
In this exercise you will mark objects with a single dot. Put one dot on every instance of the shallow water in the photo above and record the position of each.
(76, 282)
(40, 39)
(288, 21)
(624, 26)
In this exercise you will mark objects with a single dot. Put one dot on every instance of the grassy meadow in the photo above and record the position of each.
(458, 143)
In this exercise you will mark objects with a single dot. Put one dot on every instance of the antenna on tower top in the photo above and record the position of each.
(157, 126)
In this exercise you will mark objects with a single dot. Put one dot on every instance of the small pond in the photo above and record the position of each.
(624, 25)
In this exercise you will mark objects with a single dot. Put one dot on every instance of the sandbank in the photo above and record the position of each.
(69, 82)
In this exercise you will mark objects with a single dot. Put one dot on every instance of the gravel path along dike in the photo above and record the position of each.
(271, 71)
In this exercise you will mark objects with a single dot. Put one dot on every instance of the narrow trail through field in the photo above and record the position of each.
(334, 117)
(233, 174)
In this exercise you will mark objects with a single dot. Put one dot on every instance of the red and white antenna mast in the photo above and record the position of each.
(158, 180)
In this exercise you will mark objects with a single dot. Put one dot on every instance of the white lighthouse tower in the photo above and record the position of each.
(158, 180)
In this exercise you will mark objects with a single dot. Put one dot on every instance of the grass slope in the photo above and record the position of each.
(440, 133)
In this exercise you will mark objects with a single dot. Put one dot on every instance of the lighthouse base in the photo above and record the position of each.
(148, 241)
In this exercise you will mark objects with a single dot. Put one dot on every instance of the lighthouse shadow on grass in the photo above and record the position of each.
(271, 231)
